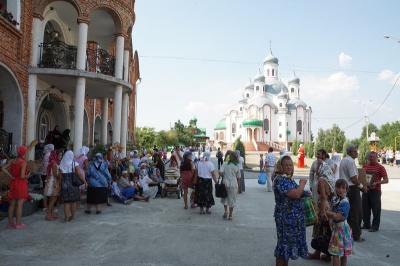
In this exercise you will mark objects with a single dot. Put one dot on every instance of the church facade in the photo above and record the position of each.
(270, 112)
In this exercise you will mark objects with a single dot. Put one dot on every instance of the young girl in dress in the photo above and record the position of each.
(341, 244)
(18, 187)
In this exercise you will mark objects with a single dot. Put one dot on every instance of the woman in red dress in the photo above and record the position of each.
(300, 155)
(18, 187)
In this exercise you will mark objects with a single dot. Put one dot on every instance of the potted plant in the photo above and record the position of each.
(30, 206)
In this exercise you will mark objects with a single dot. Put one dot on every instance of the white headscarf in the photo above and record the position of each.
(66, 162)
(82, 151)
(48, 148)
(206, 156)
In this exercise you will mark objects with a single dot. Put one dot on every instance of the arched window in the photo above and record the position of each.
(233, 128)
(266, 124)
(240, 126)
(280, 104)
(273, 72)
(241, 109)
(221, 135)
(247, 95)
(257, 88)
(280, 124)
(44, 127)
(280, 136)
(299, 126)
(292, 90)
(216, 136)
(268, 72)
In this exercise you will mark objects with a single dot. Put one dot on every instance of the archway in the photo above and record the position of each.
(11, 107)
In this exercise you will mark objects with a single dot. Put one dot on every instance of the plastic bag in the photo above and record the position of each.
(262, 179)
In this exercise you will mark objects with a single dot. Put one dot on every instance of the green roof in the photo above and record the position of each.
(251, 122)
(221, 125)
(199, 135)
(203, 129)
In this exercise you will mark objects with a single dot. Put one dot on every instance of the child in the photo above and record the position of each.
(116, 193)
(261, 163)
(341, 244)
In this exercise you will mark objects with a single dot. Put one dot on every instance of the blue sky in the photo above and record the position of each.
(336, 48)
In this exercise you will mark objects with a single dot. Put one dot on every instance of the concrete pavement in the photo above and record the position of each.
(161, 232)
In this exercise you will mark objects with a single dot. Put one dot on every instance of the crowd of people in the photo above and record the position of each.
(342, 212)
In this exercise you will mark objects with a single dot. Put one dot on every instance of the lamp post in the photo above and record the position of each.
(366, 115)
(287, 139)
(395, 141)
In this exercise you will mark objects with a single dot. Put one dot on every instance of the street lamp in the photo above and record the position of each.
(395, 140)
(389, 37)
(366, 115)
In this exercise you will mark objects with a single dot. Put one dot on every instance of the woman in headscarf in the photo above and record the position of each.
(173, 162)
(289, 214)
(82, 160)
(45, 161)
(230, 178)
(322, 183)
(99, 181)
(56, 137)
(186, 171)
(145, 181)
(69, 192)
(65, 139)
(241, 162)
(159, 164)
(18, 187)
(52, 188)
(204, 186)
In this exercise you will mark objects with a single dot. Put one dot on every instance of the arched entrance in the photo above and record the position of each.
(11, 107)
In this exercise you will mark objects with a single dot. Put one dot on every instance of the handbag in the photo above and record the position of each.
(76, 181)
(310, 211)
(195, 177)
(298, 155)
(320, 244)
(220, 190)
(262, 179)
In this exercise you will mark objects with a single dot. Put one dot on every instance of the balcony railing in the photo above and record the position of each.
(58, 54)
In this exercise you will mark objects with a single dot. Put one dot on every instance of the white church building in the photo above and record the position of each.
(269, 114)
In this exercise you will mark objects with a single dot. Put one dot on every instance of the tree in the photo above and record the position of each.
(295, 146)
(334, 139)
(182, 135)
(387, 134)
(319, 144)
(354, 142)
(371, 128)
(310, 152)
(238, 146)
(363, 152)
(345, 145)
(145, 137)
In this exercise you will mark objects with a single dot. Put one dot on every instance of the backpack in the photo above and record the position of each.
(219, 154)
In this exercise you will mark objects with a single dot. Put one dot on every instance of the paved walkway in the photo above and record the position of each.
(161, 232)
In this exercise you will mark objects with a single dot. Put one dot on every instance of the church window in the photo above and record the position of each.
(273, 72)
(44, 127)
(233, 128)
(266, 124)
(267, 72)
(280, 124)
(257, 88)
(247, 95)
(240, 126)
(221, 135)
(299, 126)
(280, 104)
(292, 90)
(280, 136)
(216, 136)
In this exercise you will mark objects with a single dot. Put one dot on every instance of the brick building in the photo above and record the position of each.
(68, 63)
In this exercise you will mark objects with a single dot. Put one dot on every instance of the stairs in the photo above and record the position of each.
(249, 146)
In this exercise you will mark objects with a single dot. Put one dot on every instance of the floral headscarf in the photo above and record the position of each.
(52, 159)
(98, 159)
(280, 168)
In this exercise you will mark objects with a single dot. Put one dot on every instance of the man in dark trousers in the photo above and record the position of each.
(219, 157)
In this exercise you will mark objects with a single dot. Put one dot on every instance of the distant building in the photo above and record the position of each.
(269, 114)
(199, 134)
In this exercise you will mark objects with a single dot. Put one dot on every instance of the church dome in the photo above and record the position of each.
(259, 78)
(275, 87)
(221, 124)
(298, 102)
(249, 86)
(261, 101)
(252, 122)
(270, 58)
(294, 79)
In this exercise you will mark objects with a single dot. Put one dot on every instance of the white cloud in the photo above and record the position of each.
(388, 75)
(336, 85)
(345, 60)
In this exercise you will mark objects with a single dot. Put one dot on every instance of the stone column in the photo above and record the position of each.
(31, 106)
(104, 121)
(124, 122)
(80, 84)
(119, 60)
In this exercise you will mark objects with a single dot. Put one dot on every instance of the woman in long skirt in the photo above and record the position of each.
(204, 186)
(230, 177)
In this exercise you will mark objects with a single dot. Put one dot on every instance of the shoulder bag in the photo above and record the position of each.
(220, 190)
(76, 181)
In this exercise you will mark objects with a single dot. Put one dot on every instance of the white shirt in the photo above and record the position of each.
(397, 156)
(177, 157)
(241, 162)
(205, 169)
(348, 169)
(144, 183)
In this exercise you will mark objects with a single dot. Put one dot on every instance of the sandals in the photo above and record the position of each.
(225, 215)
(19, 226)
(360, 239)
(311, 256)
(88, 212)
(230, 218)
(11, 225)
(208, 211)
(202, 212)
(326, 258)
(50, 218)
(98, 212)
